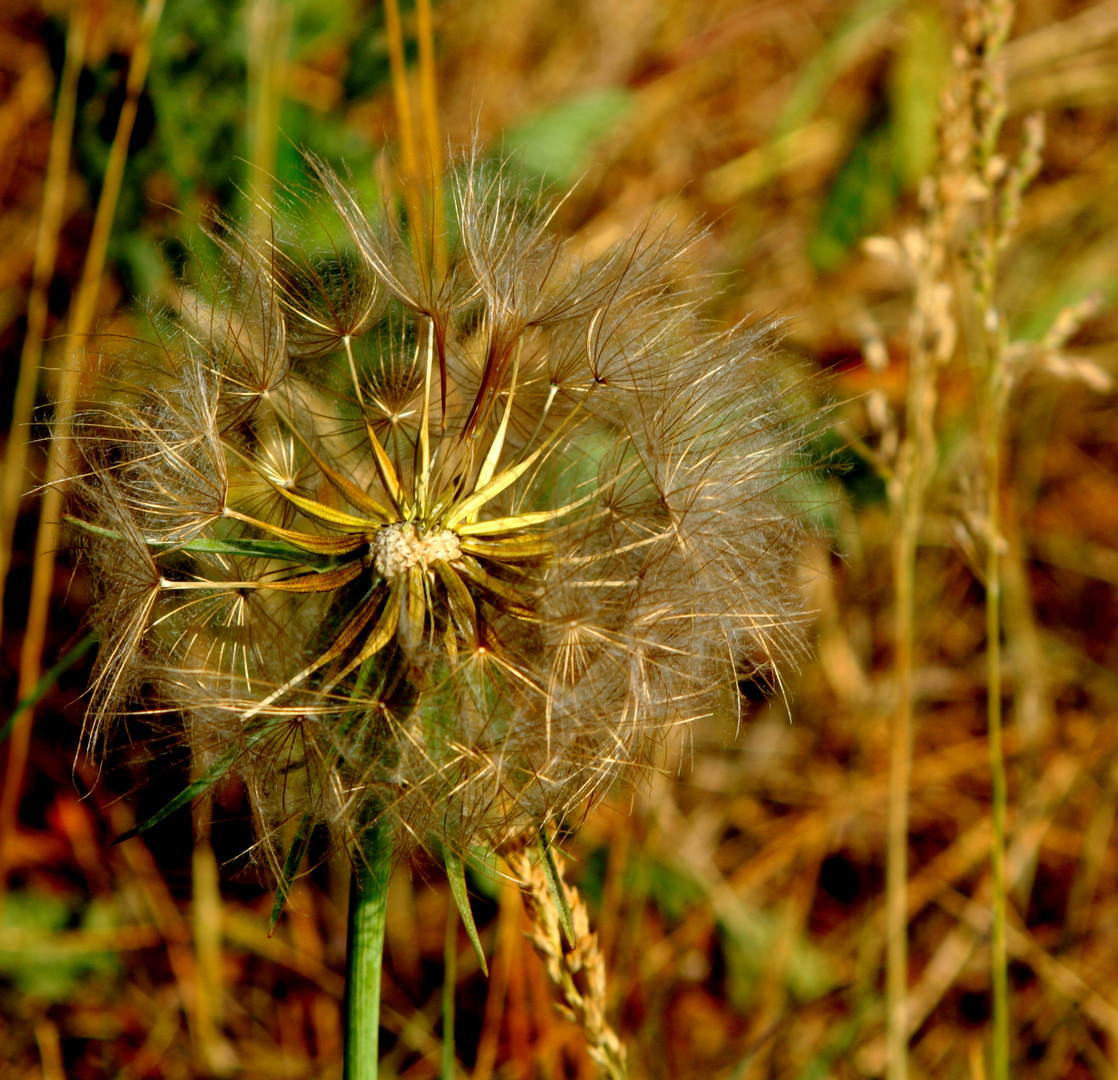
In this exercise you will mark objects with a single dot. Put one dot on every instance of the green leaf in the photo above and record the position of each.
(251, 549)
(47, 681)
(195, 788)
(849, 43)
(551, 872)
(290, 868)
(38, 955)
(248, 548)
(861, 198)
(749, 935)
(915, 83)
(554, 143)
(456, 875)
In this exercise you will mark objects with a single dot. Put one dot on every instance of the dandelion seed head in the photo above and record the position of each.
(460, 546)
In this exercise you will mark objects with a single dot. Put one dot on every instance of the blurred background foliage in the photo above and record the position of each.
(739, 895)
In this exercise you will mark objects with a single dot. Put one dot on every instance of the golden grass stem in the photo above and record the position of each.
(994, 18)
(992, 405)
(206, 923)
(409, 158)
(429, 107)
(900, 760)
(932, 338)
(81, 323)
(269, 25)
(509, 942)
(999, 958)
(46, 253)
(400, 96)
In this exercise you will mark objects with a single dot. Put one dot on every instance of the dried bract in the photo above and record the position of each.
(457, 545)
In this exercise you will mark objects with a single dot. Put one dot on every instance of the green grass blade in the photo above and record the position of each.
(290, 868)
(47, 681)
(456, 875)
(188, 794)
(551, 872)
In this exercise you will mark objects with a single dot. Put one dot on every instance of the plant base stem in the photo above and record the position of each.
(368, 902)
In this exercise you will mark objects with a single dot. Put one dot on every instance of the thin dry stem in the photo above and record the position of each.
(932, 335)
(429, 108)
(269, 29)
(81, 322)
(15, 460)
(409, 154)
(46, 251)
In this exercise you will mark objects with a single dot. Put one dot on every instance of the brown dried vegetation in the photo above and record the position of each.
(741, 905)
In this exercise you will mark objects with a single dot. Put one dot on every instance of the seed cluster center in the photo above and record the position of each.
(397, 548)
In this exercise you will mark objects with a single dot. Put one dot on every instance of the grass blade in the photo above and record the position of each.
(456, 875)
(47, 681)
(192, 790)
(290, 868)
(555, 884)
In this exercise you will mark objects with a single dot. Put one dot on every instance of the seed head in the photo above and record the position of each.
(456, 545)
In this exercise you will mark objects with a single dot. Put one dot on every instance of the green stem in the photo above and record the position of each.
(368, 903)
(450, 977)
(998, 952)
(994, 405)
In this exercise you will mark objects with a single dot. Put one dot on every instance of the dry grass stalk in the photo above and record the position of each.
(971, 208)
(13, 478)
(269, 33)
(80, 326)
(578, 971)
(926, 254)
(46, 250)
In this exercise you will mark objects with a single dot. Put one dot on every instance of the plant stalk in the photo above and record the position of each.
(999, 959)
(368, 904)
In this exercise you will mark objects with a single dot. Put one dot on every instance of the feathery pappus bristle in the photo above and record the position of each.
(453, 544)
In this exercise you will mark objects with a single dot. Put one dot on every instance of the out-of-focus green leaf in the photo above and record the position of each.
(44, 968)
(846, 47)
(860, 200)
(672, 890)
(47, 681)
(554, 143)
(748, 937)
(896, 145)
(916, 80)
(316, 23)
(836, 1048)
(835, 462)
